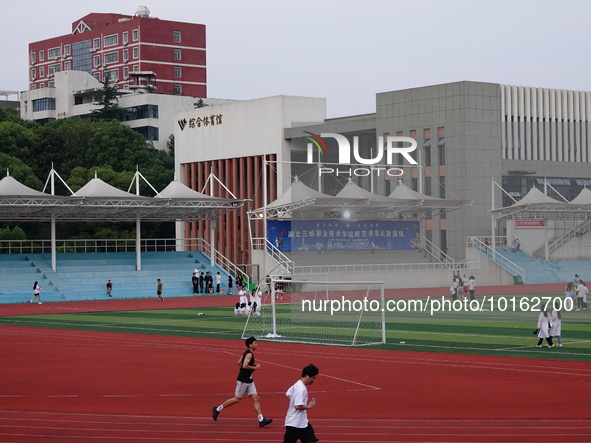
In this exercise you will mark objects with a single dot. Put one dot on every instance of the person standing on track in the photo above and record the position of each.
(159, 288)
(36, 293)
(297, 426)
(245, 384)
(109, 286)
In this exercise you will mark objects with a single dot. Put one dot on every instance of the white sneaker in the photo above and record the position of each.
(40, 303)
(30, 301)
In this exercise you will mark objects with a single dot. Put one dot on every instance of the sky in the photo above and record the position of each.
(343, 50)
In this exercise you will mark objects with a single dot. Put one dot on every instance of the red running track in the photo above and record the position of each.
(80, 386)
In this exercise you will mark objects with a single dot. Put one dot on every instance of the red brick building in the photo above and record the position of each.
(134, 51)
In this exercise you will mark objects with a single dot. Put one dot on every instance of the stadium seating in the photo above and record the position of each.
(82, 276)
(546, 271)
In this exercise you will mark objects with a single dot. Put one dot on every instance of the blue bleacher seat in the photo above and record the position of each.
(83, 276)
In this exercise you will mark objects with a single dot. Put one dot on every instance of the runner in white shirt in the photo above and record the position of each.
(297, 426)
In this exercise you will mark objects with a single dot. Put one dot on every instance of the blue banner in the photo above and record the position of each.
(343, 235)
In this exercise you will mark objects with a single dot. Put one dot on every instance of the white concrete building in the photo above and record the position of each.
(73, 95)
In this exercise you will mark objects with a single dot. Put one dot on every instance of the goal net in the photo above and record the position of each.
(343, 313)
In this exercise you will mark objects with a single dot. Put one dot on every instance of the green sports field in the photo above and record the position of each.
(501, 331)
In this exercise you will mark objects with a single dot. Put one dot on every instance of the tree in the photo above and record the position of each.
(63, 144)
(108, 102)
(17, 141)
(19, 171)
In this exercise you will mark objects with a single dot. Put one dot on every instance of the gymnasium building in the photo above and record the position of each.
(484, 143)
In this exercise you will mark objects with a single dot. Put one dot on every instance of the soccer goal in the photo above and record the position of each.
(343, 313)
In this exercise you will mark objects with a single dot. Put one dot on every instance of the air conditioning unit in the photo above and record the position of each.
(125, 60)
(125, 43)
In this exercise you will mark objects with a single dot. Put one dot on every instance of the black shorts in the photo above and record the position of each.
(305, 435)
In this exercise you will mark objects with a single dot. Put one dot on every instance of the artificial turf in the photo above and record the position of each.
(498, 333)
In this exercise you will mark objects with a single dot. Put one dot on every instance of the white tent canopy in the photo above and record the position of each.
(537, 205)
(300, 201)
(98, 200)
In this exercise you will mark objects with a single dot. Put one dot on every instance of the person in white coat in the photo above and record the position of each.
(544, 326)
(556, 317)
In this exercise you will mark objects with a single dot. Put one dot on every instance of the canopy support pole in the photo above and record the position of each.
(53, 235)
(53, 245)
(138, 226)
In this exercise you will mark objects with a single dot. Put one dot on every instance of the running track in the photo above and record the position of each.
(80, 386)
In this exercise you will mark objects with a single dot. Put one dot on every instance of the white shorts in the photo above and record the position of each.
(243, 389)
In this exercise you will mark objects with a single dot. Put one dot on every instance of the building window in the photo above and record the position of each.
(176, 36)
(427, 156)
(427, 146)
(41, 55)
(441, 144)
(33, 58)
(67, 66)
(111, 57)
(54, 52)
(44, 104)
(177, 89)
(443, 242)
(33, 74)
(125, 72)
(67, 50)
(125, 37)
(136, 68)
(442, 191)
(52, 69)
(111, 40)
(149, 132)
(81, 56)
(96, 61)
(51, 84)
(135, 35)
(125, 55)
(112, 75)
(141, 112)
(177, 54)
(97, 43)
(136, 53)
(177, 72)
(42, 72)
(427, 190)
(97, 75)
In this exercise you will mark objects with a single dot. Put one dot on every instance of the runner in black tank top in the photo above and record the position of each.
(245, 384)
(245, 375)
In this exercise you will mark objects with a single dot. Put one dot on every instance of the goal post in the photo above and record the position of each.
(341, 313)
